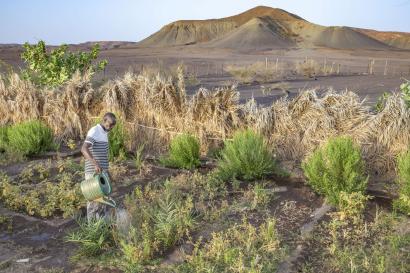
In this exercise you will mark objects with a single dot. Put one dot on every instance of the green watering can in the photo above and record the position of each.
(97, 188)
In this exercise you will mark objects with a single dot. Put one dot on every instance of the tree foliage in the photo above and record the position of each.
(57, 66)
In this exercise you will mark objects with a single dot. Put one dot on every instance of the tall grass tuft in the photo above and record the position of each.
(183, 153)
(245, 157)
(160, 217)
(30, 138)
(117, 138)
(257, 71)
(4, 140)
(93, 238)
(138, 157)
(403, 202)
(336, 167)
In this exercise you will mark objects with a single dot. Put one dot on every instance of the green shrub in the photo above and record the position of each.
(241, 248)
(336, 167)
(405, 91)
(377, 245)
(160, 216)
(116, 139)
(352, 205)
(93, 238)
(59, 65)
(245, 157)
(34, 193)
(30, 138)
(184, 152)
(4, 140)
(381, 102)
(259, 195)
(138, 157)
(403, 202)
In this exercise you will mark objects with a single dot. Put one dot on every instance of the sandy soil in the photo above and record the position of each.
(209, 65)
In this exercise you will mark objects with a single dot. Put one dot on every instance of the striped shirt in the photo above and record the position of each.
(98, 138)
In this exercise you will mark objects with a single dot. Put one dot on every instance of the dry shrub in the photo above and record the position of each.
(308, 68)
(386, 134)
(19, 100)
(259, 119)
(283, 86)
(215, 112)
(67, 110)
(155, 108)
(301, 124)
(254, 72)
(241, 73)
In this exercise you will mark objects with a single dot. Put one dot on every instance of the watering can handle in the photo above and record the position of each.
(106, 174)
(103, 171)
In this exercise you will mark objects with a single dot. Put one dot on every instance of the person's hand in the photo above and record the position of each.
(97, 168)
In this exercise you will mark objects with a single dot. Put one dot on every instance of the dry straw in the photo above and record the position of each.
(293, 127)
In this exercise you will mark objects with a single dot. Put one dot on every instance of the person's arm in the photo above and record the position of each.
(85, 150)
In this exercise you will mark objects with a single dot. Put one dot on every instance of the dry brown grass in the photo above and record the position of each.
(257, 72)
(19, 100)
(68, 110)
(156, 108)
(308, 68)
(282, 86)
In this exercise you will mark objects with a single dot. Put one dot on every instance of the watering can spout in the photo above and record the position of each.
(107, 200)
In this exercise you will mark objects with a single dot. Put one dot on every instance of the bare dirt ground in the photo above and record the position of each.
(33, 244)
(42, 242)
(209, 66)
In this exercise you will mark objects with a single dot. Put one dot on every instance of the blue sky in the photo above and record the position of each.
(75, 21)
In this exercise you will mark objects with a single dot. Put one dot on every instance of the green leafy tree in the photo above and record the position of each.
(57, 66)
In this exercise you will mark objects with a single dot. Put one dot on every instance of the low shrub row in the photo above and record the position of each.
(35, 192)
(27, 138)
(333, 168)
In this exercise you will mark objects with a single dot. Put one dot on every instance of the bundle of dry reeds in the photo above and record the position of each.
(67, 110)
(19, 100)
(154, 108)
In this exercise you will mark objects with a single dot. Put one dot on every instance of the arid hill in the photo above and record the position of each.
(264, 27)
(395, 39)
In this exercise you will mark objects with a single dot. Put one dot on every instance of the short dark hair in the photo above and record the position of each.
(110, 116)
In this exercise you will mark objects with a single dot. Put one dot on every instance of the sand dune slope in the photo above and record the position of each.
(269, 28)
(257, 33)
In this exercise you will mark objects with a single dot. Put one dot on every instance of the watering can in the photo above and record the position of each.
(97, 188)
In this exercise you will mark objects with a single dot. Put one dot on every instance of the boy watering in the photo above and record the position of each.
(95, 150)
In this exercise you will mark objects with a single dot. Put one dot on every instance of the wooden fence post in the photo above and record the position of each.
(385, 69)
(371, 67)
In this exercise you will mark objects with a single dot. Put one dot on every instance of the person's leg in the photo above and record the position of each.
(95, 210)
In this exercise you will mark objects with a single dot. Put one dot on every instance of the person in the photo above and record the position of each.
(95, 150)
